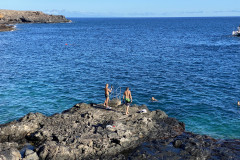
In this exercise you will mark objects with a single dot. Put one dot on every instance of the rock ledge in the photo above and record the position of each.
(88, 131)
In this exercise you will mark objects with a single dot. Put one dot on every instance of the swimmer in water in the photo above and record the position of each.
(153, 99)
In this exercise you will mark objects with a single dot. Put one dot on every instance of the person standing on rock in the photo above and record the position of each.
(128, 99)
(107, 96)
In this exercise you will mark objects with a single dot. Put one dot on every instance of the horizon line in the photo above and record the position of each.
(154, 17)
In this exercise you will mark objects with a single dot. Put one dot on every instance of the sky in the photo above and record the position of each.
(129, 8)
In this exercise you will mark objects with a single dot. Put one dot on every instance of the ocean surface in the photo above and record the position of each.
(191, 65)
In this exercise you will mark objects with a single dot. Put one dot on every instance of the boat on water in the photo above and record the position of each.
(236, 33)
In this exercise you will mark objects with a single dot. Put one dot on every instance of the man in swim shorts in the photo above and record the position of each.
(128, 99)
(107, 96)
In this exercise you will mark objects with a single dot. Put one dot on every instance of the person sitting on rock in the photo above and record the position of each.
(107, 96)
(153, 99)
(128, 99)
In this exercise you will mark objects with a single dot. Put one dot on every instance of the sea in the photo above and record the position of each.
(190, 65)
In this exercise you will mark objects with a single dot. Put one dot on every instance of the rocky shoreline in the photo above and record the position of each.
(88, 131)
(4, 28)
(8, 17)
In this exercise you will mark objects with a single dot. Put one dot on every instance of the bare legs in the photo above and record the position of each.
(127, 110)
(106, 102)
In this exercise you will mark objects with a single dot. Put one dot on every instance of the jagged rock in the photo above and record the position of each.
(115, 102)
(16, 131)
(8, 145)
(188, 146)
(10, 154)
(92, 132)
(177, 143)
(90, 136)
(30, 155)
(9, 151)
(82, 131)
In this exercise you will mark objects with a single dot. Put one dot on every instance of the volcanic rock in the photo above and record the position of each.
(89, 131)
(188, 146)
(13, 16)
(81, 132)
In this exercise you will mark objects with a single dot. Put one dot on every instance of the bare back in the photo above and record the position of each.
(128, 99)
(127, 94)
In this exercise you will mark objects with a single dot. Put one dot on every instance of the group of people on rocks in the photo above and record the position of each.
(127, 98)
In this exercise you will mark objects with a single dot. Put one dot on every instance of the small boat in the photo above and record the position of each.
(236, 33)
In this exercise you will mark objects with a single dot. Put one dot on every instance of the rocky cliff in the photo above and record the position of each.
(12, 16)
(91, 132)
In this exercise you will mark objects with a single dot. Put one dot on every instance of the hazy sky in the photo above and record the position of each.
(129, 8)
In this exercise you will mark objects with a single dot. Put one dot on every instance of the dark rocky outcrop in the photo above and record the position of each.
(91, 132)
(13, 17)
(188, 146)
(4, 27)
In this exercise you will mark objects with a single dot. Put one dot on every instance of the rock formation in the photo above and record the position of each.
(4, 27)
(12, 16)
(188, 146)
(91, 132)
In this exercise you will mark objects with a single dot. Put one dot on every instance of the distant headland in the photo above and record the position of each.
(9, 17)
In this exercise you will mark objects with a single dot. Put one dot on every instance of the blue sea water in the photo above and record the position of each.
(191, 65)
